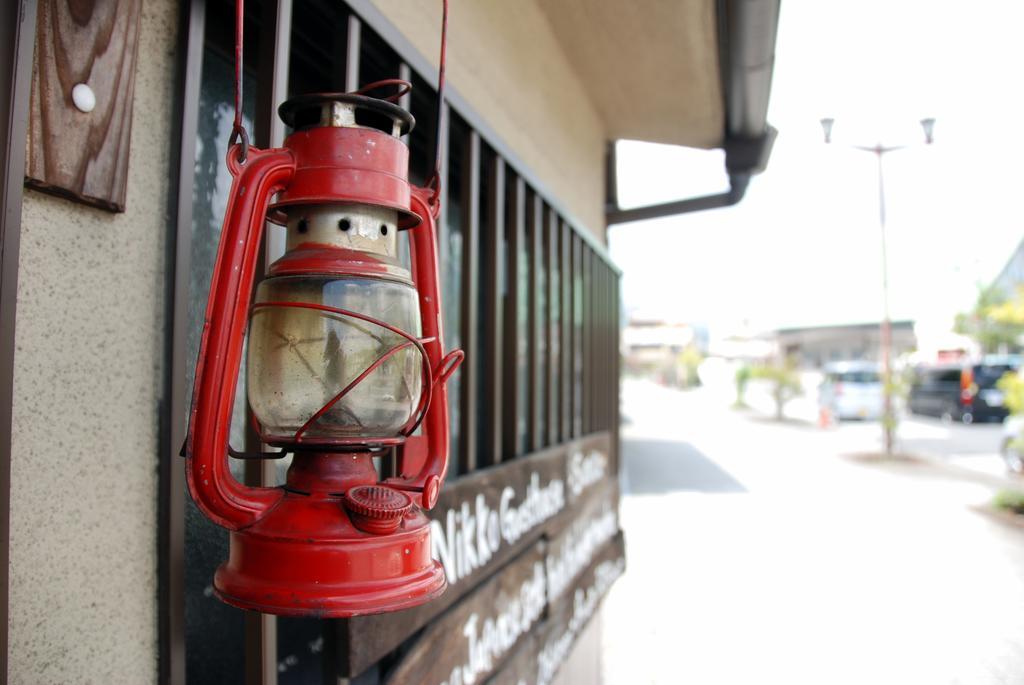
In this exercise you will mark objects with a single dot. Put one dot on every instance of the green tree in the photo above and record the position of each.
(742, 378)
(784, 380)
(1012, 385)
(996, 322)
(688, 361)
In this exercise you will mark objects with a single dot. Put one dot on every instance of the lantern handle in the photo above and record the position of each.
(425, 456)
(215, 491)
(402, 88)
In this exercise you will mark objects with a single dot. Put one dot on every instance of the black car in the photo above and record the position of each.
(964, 392)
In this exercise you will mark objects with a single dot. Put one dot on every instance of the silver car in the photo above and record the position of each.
(851, 390)
(1012, 448)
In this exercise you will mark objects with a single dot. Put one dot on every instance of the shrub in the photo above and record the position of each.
(784, 381)
(743, 374)
(1010, 500)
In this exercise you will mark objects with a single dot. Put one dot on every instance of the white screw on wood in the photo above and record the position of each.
(83, 97)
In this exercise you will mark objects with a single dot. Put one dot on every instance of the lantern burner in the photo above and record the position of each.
(349, 226)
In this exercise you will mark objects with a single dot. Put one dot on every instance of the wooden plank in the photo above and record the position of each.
(468, 447)
(469, 642)
(573, 549)
(565, 372)
(539, 657)
(272, 85)
(609, 346)
(543, 490)
(260, 648)
(606, 347)
(454, 647)
(617, 337)
(518, 503)
(405, 102)
(77, 154)
(553, 368)
(514, 422)
(443, 242)
(602, 369)
(268, 131)
(587, 339)
(577, 336)
(494, 269)
(268, 128)
(443, 258)
(593, 367)
(352, 52)
(536, 345)
(389, 462)
(590, 388)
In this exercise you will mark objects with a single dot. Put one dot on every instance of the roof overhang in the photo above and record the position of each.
(694, 73)
(651, 66)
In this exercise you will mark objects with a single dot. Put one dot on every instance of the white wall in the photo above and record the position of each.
(504, 58)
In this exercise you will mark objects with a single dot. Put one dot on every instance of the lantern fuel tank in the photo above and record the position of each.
(345, 363)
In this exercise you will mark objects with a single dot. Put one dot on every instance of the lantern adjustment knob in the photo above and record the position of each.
(376, 508)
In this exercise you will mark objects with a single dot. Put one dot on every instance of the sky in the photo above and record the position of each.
(804, 245)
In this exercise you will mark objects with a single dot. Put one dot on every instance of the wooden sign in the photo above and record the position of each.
(469, 642)
(502, 618)
(83, 87)
(538, 658)
(484, 520)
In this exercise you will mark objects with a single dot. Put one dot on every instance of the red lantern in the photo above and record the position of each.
(345, 362)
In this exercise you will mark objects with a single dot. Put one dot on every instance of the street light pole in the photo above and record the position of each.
(885, 329)
(885, 334)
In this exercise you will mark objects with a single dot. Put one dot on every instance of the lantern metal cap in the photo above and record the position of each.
(303, 111)
(377, 508)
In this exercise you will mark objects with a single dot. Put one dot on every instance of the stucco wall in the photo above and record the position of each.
(83, 602)
(504, 58)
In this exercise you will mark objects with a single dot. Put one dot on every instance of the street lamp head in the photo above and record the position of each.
(826, 127)
(928, 125)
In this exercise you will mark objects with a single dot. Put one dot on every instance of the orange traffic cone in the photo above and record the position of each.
(824, 417)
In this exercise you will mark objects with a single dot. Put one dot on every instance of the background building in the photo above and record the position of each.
(815, 346)
(660, 349)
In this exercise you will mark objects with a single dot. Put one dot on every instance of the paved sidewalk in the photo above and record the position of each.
(759, 554)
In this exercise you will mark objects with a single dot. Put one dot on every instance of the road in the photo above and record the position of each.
(974, 448)
(761, 552)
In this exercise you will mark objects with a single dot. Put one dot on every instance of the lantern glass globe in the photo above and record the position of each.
(301, 358)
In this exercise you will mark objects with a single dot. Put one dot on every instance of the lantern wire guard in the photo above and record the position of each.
(447, 367)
